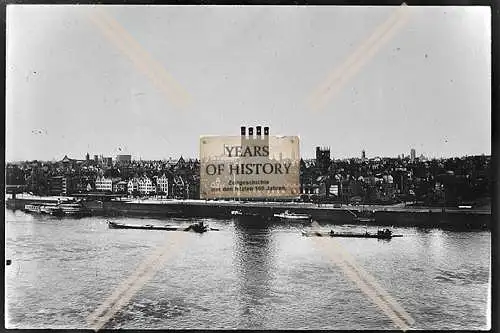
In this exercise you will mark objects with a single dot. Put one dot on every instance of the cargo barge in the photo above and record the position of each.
(381, 234)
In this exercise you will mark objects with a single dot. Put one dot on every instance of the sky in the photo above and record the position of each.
(151, 80)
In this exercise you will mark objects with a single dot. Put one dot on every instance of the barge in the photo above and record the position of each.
(199, 227)
(381, 234)
(115, 225)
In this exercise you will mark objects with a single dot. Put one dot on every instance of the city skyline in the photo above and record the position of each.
(72, 88)
(138, 157)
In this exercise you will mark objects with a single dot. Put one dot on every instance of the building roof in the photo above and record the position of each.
(67, 159)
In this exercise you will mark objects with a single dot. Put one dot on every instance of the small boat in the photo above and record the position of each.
(243, 214)
(115, 225)
(199, 227)
(381, 234)
(52, 210)
(33, 208)
(364, 219)
(292, 216)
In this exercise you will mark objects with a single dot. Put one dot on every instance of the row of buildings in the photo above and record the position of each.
(137, 185)
(172, 178)
(389, 180)
(363, 180)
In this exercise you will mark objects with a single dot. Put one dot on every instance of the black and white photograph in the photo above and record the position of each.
(254, 167)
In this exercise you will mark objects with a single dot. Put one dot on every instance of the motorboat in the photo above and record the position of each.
(293, 216)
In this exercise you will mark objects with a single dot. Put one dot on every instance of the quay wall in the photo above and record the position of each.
(216, 210)
(446, 219)
(384, 215)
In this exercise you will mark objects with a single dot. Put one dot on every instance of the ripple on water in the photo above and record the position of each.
(150, 311)
(463, 276)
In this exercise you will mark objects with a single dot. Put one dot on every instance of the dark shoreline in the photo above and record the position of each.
(449, 218)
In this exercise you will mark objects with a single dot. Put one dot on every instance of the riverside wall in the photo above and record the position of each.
(384, 215)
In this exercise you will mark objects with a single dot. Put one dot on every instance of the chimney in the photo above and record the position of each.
(250, 132)
(266, 131)
(243, 130)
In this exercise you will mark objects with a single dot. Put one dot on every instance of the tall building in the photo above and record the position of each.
(123, 159)
(61, 185)
(107, 161)
(106, 184)
(87, 157)
(162, 183)
(323, 159)
(412, 155)
(132, 186)
(363, 155)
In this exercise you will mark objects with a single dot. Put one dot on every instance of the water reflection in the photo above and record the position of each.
(253, 256)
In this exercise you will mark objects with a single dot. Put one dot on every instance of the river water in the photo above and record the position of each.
(243, 276)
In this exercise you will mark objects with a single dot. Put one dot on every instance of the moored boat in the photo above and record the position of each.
(33, 208)
(52, 210)
(364, 219)
(73, 209)
(239, 213)
(292, 216)
(58, 209)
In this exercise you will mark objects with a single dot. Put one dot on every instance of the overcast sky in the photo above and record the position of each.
(76, 84)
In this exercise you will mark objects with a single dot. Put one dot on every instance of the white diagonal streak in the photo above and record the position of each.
(365, 51)
(365, 282)
(139, 57)
(129, 287)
